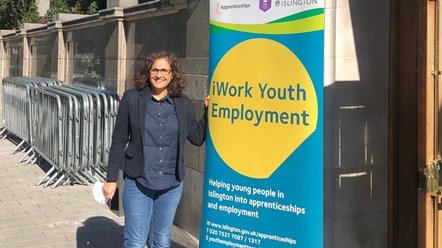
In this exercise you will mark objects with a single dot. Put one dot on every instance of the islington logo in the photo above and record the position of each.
(265, 5)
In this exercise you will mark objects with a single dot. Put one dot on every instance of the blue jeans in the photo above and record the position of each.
(147, 210)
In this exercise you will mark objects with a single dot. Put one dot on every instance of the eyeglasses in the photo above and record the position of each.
(164, 72)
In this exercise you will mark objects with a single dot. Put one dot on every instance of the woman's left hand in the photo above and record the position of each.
(206, 101)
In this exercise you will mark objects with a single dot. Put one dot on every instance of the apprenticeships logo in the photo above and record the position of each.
(265, 5)
(219, 8)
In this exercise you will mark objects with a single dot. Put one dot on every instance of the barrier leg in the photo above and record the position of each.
(3, 130)
(26, 154)
(18, 146)
(31, 159)
(100, 173)
(50, 180)
(80, 179)
(91, 179)
(46, 175)
(58, 181)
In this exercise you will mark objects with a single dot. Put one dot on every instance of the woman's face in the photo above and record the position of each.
(160, 76)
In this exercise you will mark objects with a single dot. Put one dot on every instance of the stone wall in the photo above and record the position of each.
(195, 64)
(356, 123)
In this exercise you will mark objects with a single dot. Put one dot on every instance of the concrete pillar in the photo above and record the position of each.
(26, 54)
(122, 55)
(69, 67)
(2, 58)
(121, 3)
(64, 17)
(6, 61)
(4, 55)
(61, 53)
(2, 70)
(43, 6)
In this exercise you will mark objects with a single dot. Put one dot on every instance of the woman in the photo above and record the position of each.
(153, 123)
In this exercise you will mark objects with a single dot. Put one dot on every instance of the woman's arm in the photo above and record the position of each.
(120, 137)
(197, 131)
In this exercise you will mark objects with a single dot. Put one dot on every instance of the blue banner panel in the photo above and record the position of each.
(264, 166)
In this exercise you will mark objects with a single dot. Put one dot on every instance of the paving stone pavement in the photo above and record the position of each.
(66, 216)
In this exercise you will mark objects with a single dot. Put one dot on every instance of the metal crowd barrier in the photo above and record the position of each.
(16, 118)
(69, 126)
(80, 127)
(95, 82)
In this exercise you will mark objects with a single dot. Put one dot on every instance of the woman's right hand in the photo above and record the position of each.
(109, 189)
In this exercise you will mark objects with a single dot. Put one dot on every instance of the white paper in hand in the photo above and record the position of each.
(97, 191)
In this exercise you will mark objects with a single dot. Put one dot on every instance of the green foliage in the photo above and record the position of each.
(58, 6)
(15, 12)
(75, 7)
(32, 15)
(93, 8)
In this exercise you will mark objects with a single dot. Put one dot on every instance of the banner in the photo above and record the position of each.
(264, 167)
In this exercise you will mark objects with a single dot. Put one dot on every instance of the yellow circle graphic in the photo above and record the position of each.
(262, 107)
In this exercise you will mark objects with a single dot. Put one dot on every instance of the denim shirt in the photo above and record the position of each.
(161, 144)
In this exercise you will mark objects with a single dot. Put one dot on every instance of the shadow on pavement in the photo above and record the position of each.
(100, 232)
(104, 233)
(176, 245)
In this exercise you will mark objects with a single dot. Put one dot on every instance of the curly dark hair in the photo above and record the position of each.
(178, 82)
